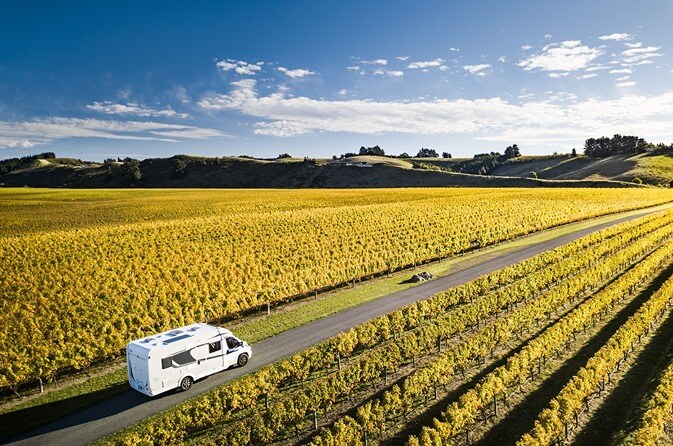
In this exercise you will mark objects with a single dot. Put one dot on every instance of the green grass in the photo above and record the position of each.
(70, 398)
(55, 404)
(657, 168)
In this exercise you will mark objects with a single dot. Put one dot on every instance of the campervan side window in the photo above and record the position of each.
(232, 343)
(184, 358)
(167, 363)
(214, 347)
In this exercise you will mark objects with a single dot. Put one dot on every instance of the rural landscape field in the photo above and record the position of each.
(349, 223)
(563, 331)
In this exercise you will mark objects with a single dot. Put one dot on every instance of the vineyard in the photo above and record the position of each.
(449, 369)
(83, 272)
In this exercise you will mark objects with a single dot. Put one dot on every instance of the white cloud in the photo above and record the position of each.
(617, 37)
(493, 119)
(374, 62)
(526, 47)
(640, 55)
(43, 131)
(588, 76)
(570, 55)
(297, 73)
(547, 36)
(134, 109)
(353, 68)
(556, 74)
(640, 50)
(502, 59)
(426, 64)
(633, 45)
(623, 78)
(391, 73)
(239, 66)
(454, 49)
(402, 58)
(621, 71)
(626, 84)
(596, 68)
(342, 92)
(477, 70)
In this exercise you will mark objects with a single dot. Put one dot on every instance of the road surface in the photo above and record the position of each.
(123, 410)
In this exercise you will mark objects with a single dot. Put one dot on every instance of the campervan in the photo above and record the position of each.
(176, 358)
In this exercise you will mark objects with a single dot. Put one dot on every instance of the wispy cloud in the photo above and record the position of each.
(621, 71)
(569, 55)
(526, 47)
(588, 76)
(636, 56)
(239, 66)
(42, 131)
(374, 62)
(402, 58)
(617, 37)
(353, 68)
(597, 68)
(477, 70)
(391, 73)
(296, 73)
(134, 109)
(626, 84)
(426, 64)
(454, 49)
(491, 119)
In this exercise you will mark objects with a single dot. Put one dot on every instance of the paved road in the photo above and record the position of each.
(117, 413)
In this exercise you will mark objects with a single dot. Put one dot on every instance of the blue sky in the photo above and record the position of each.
(103, 79)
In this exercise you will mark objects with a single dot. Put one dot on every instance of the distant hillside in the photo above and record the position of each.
(651, 169)
(357, 172)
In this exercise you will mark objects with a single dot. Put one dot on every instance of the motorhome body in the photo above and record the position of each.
(178, 357)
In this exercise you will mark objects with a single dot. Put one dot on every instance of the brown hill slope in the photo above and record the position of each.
(198, 172)
(651, 169)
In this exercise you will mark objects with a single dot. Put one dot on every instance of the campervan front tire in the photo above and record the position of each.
(242, 359)
(186, 383)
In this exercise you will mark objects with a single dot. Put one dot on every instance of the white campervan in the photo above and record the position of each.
(177, 358)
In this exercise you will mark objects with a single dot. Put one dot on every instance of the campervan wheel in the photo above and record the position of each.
(187, 382)
(242, 359)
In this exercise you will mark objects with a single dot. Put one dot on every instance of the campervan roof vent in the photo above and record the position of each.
(174, 332)
(193, 328)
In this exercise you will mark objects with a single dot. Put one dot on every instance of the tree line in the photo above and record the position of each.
(622, 145)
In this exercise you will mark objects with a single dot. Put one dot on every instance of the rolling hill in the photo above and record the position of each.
(183, 171)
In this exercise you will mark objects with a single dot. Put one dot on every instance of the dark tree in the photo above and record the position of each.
(618, 144)
(427, 153)
(404, 155)
(573, 153)
(284, 155)
(179, 168)
(512, 151)
(376, 151)
(446, 155)
(132, 168)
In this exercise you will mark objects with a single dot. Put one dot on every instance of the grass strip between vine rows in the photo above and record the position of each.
(463, 413)
(555, 421)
